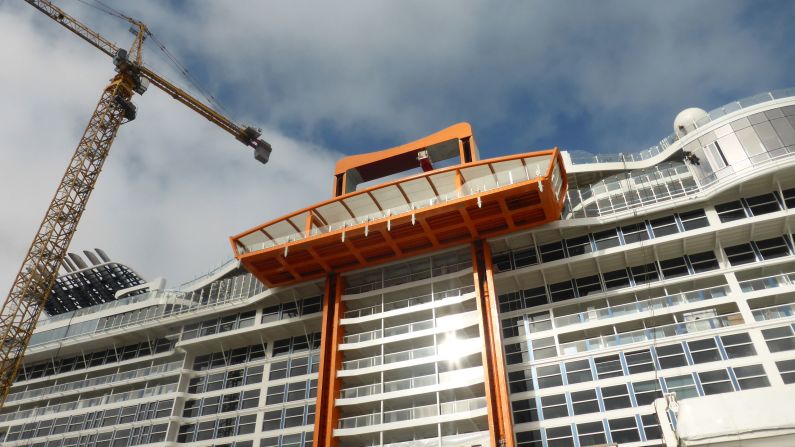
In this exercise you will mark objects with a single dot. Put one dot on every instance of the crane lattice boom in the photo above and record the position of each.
(33, 284)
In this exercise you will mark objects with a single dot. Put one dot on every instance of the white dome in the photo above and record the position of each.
(683, 123)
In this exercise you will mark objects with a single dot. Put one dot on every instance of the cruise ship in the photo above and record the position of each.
(539, 299)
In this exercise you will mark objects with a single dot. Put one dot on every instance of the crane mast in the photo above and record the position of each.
(36, 277)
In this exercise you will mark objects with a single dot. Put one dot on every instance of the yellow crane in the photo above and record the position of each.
(32, 285)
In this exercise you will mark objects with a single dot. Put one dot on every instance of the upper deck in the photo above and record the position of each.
(428, 211)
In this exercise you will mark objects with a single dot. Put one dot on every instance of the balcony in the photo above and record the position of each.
(414, 413)
(408, 302)
(432, 210)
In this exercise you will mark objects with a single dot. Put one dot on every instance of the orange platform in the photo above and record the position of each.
(428, 211)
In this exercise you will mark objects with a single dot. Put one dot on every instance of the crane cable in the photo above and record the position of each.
(169, 56)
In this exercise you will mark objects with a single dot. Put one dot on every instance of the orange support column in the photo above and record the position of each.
(499, 405)
(328, 385)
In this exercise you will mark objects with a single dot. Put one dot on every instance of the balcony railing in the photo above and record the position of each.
(413, 413)
(642, 306)
(149, 371)
(411, 277)
(390, 331)
(408, 302)
(90, 403)
(650, 334)
(389, 358)
(456, 377)
(770, 282)
(774, 312)
(672, 138)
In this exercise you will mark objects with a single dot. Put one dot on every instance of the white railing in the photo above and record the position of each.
(769, 282)
(774, 312)
(650, 334)
(90, 403)
(416, 276)
(389, 332)
(389, 358)
(642, 306)
(408, 414)
(408, 302)
(148, 372)
(672, 138)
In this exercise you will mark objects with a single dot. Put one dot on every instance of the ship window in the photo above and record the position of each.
(272, 420)
(591, 433)
(524, 411)
(190, 331)
(552, 251)
(608, 366)
(238, 356)
(787, 370)
(196, 385)
(275, 395)
(548, 376)
(539, 322)
(606, 239)
(191, 409)
(210, 405)
(730, 211)
(738, 345)
(281, 347)
(646, 391)
(511, 326)
(269, 442)
(584, 402)
(639, 361)
(703, 351)
(751, 376)
(525, 257)
(270, 314)
(215, 382)
(587, 285)
(561, 291)
(624, 430)
(293, 417)
(559, 436)
(664, 226)
(520, 381)
(715, 382)
(740, 254)
(530, 438)
(299, 366)
(615, 397)
(671, 356)
(158, 433)
(644, 273)
(779, 339)
(635, 233)
(535, 297)
(515, 353)
(651, 425)
(789, 197)
(692, 220)
(60, 425)
(764, 204)
(296, 391)
(616, 279)
(510, 302)
(703, 261)
(502, 262)
(544, 348)
(772, 248)
(578, 245)
(554, 406)
(671, 268)
(578, 371)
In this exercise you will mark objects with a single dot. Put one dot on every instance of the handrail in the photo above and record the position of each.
(403, 279)
(411, 413)
(774, 312)
(390, 331)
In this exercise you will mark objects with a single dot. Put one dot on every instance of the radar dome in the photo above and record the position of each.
(684, 121)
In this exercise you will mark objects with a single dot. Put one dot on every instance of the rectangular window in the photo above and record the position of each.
(510, 301)
(234, 378)
(671, 356)
(528, 439)
(578, 371)
(552, 251)
(578, 245)
(534, 297)
(525, 257)
(588, 285)
(294, 417)
(548, 376)
(502, 262)
(275, 395)
(703, 262)
(520, 381)
(738, 345)
(751, 376)
(561, 291)
(272, 420)
(764, 204)
(635, 233)
(539, 322)
(544, 348)
(615, 397)
(512, 327)
(559, 436)
(772, 248)
(787, 370)
(270, 314)
(606, 239)
(608, 366)
(779, 339)
(215, 382)
(789, 197)
(516, 353)
(311, 305)
(616, 279)
(296, 391)
(639, 361)
(554, 406)
(299, 366)
(692, 220)
(730, 211)
(210, 405)
(524, 411)
(664, 226)
(624, 430)
(584, 402)
(672, 268)
(703, 351)
(715, 382)
(644, 273)
(191, 409)
(591, 433)
(646, 391)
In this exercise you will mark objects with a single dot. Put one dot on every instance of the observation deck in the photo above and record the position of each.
(400, 218)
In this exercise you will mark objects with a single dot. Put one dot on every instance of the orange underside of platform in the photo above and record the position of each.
(499, 211)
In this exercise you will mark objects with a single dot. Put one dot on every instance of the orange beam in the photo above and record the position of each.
(328, 385)
(497, 397)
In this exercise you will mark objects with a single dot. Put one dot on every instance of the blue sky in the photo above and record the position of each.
(326, 79)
